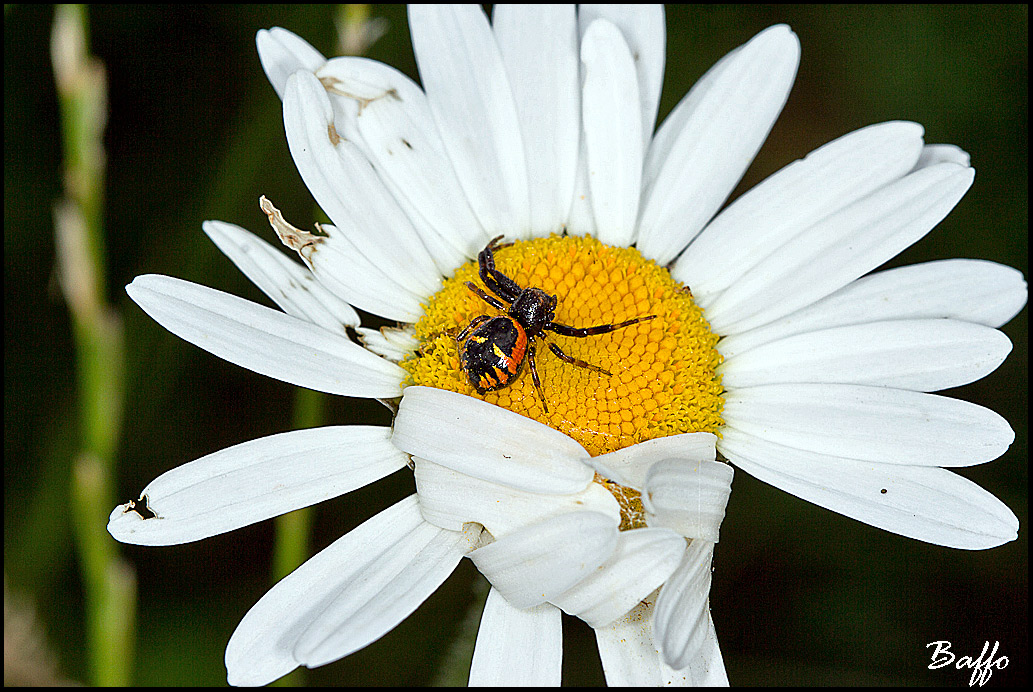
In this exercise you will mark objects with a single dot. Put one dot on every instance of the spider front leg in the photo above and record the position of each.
(499, 283)
(567, 330)
(489, 299)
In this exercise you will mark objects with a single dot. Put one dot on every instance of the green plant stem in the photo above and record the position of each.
(109, 583)
(290, 548)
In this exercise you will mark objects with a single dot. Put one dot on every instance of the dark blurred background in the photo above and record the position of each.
(800, 595)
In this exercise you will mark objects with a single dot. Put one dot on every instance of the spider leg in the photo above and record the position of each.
(567, 330)
(500, 284)
(489, 299)
(477, 321)
(534, 374)
(576, 361)
(494, 243)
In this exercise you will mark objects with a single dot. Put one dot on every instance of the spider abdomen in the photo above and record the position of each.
(493, 353)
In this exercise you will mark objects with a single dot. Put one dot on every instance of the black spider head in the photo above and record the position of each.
(534, 309)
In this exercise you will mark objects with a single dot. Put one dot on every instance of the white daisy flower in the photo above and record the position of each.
(591, 484)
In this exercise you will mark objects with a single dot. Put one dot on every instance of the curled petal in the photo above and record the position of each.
(630, 465)
(681, 622)
(539, 562)
(643, 560)
(451, 499)
(485, 441)
(688, 497)
(631, 656)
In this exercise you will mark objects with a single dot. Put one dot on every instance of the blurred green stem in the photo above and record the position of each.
(356, 31)
(109, 583)
(292, 530)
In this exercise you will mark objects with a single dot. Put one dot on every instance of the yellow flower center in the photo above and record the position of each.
(661, 377)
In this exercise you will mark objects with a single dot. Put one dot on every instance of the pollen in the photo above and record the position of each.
(659, 376)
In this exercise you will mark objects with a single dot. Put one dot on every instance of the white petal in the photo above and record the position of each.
(347, 188)
(643, 560)
(840, 248)
(631, 658)
(933, 154)
(283, 53)
(345, 597)
(642, 26)
(538, 45)
(643, 29)
(707, 667)
(688, 497)
(672, 126)
(690, 172)
(265, 340)
(538, 562)
(920, 355)
(680, 623)
(450, 499)
(287, 283)
(472, 102)
(870, 423)
(972, 290)
(581, 219)
(629, 466)
(485, 441)
(612, 132)
(387, 116)
(400, 338)
(257, 480)
(395, 344)
(791, 200)
(930, 504)
(339, 266)
(380, 592)
(517, 647)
